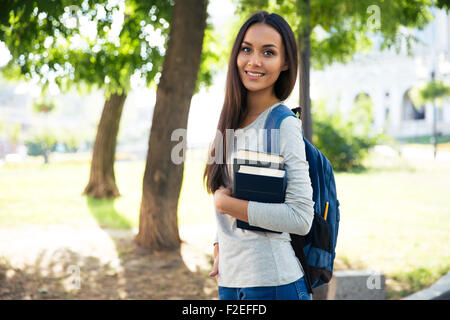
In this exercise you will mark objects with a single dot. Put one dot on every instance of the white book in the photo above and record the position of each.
(262, 171)
(259, 156)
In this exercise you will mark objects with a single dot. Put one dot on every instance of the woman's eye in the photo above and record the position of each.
(267, 52)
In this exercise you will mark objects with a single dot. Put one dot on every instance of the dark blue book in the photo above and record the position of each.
(261, 184)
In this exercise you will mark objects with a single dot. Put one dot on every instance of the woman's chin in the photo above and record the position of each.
(253, 88)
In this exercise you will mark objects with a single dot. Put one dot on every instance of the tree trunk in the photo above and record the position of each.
(102, 181)
(158, 223)
(304, 42)
(46, 155)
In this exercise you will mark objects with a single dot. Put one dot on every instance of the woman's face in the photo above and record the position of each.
(261, 57)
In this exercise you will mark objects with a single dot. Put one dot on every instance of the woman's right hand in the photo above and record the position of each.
(215, 270)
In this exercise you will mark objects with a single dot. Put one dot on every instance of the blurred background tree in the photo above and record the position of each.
(11, 131)
(163, 176)
(40, 141)
(345, 139)
(90, 45)
(433, 91)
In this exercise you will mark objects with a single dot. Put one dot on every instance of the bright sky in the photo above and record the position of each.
(4, 54)
(220, 11)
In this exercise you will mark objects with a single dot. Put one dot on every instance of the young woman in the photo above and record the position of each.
(261, 74)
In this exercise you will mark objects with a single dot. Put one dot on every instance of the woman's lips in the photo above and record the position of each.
(254, 75)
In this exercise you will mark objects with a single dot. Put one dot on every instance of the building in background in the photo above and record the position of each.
(387, 78)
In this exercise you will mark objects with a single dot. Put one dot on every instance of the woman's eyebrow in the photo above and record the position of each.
(264, 46)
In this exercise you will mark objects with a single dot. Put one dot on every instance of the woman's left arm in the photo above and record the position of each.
(235, 207)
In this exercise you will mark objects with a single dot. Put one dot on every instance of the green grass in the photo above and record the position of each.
(51, 194)
(395, 216)
(35, 193)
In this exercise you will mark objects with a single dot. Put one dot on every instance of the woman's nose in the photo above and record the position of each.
(254, 60)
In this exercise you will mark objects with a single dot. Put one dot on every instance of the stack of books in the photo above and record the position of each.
(258, 176)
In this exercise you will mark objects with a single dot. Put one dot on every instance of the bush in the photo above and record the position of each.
(40, 141)
(70, 139)
(345, 142)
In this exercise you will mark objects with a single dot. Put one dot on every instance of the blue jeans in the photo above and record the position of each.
(296, 290)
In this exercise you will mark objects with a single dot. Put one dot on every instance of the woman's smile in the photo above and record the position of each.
(254, 75)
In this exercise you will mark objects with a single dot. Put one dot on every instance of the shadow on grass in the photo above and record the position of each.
(167, 267)
(66, 274)
(124, 271)
(106, 215)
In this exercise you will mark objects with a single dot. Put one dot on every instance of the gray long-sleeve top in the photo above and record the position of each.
(253, 258)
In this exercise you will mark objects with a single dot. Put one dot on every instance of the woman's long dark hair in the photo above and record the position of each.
(235, 104)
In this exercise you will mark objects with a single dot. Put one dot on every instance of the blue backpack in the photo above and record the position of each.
(316, 250)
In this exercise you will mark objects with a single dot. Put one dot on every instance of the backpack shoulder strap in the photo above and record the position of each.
(273, 121)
